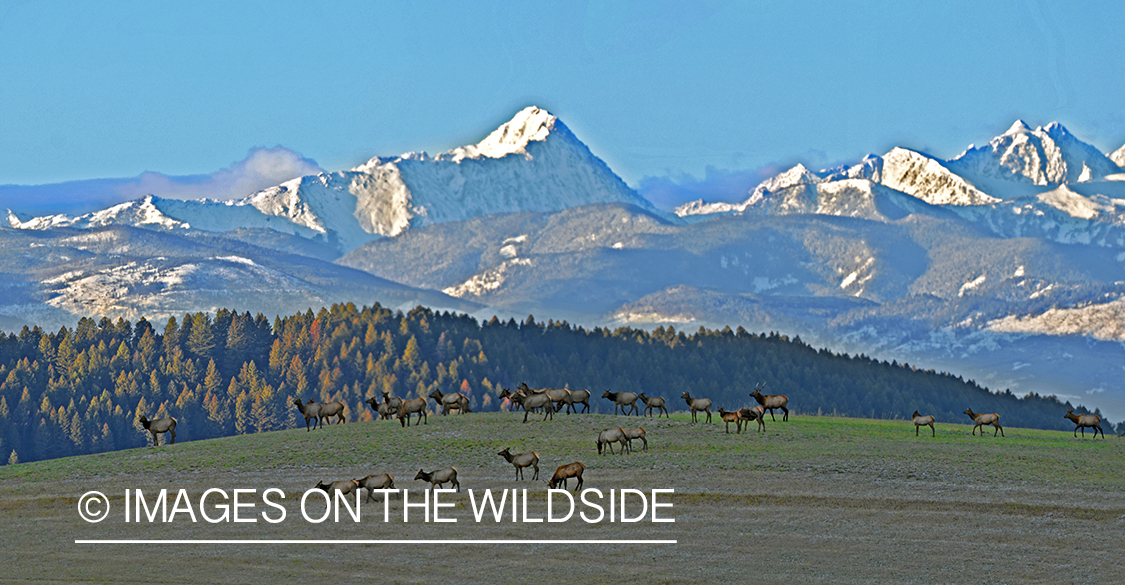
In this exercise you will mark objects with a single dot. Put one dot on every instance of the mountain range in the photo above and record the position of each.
(1005, 263)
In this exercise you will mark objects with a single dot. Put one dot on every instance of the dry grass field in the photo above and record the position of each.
(815, 499)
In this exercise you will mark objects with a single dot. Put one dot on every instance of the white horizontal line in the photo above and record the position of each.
(465, 541)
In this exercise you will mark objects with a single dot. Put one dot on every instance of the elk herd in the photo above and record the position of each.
(551, 400)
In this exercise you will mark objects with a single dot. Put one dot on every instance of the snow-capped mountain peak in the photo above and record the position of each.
(531, 124)
(531, 163)
(798, 175)
(1048, 155)
(1018, 127)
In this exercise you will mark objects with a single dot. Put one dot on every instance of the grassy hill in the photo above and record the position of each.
(812, 499)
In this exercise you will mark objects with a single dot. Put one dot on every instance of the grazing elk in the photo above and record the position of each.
(529, 459)
(985, 419)
(310, 411)
(413, 406)
(622, 400)
(922, 421)
(653, 403)
(345, 486)
(610, 436)
(168, 425)
(1081, 420)
(771, 401)
(638, 433)
(449, 402)
(577, 397)
(439, 477)
(328, 410)
(731, 417)
(371, 483)
(755, 413)
(564, 473)
(698, 404)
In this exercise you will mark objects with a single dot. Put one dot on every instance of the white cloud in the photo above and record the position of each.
(262, 167)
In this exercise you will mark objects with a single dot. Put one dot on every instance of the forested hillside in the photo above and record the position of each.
(81, 390)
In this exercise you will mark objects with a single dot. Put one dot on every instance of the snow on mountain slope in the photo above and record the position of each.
(1048, 155)
(531, 163)
(1060, 215)
(1105, 321)
(1118, 156)
(800, 191)
(928, 179)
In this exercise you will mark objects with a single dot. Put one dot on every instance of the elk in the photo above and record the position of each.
(922, 421)
(393, 402)
(310, 411)
(529, 459)
(345, 486)
(638, 433)
(536, 401)
(755, 413)
(653, 403)
(1081, 420)
(622, 400)
(985, 419)
(382, 409)
(449, 402)
(558, 396)
(371, 483)
(697, 404)
(168, 425)
(771, 401)
(409, 407)
(731, 417)
(513, 404)
(439, 477)
(610, 436)
(564, 473)
(329, 410)
(577, 397)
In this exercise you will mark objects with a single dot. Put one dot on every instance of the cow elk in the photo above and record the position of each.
(577, 397)
(448, 402)
(608, 437)
(383, 409)
(923, 421)
(653, 403)
(622, 401)
(1081, 420)
(731, 417)
(412, 406)
(163, 425)
(771, 401)
(310, 411)
(371, 483)
(634, 434)
(345, 486)
(529, 459)
(696, 405)
(755, 413)
(439, 477)
(985, 419)
(564, 473)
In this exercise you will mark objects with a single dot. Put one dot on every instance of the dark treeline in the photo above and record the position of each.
(81, 390)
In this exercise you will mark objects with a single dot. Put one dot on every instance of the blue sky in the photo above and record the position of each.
(681, 93)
